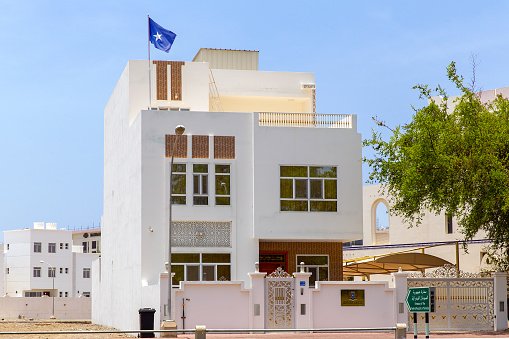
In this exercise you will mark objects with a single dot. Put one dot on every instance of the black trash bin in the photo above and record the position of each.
(147, 322)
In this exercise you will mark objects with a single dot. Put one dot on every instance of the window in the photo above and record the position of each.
(66, 246)
(37, 247)
(86, 273)
(37, 272)
(66, 270)
(33, 294)
(381, 218)
(51, 272)
(7, 270)
(7, 247)
(178, 182)
(85, 246)
(52, 247)
(86, 294)
(94, 244)
(308, 188)
(66, 294)
(449, 224)
(200, 267)
(222, 184)
(61, 270)
(60, 294)
(200, 184)
(61, 246)
(317, 265)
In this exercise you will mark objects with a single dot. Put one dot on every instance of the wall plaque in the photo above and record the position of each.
(352, 298)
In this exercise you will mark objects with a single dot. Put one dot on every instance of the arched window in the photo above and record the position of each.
(381, 218)
(380, 222)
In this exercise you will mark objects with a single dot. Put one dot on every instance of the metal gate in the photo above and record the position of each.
(279, 300)
(462, 301)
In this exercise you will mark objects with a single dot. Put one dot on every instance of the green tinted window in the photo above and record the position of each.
(293, 171)
(286, 188)
(331, 189)
(294, 205)
(179, 273)
(301, 188)
(323, 171)
(323, 206)
(222, 184)
(222, 168)
(178, 200)
(181, 168)
(222, 200)
(200, 168)
(216, 258)
(185, 257)
(178, 184)
(200, 200)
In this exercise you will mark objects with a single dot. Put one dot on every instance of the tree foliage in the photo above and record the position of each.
(452, 158)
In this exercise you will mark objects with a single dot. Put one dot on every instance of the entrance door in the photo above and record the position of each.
(280, 309)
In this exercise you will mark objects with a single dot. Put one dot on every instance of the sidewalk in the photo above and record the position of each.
(354, 335)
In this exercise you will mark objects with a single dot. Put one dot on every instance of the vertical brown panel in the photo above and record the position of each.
(200, 146)
(162, 79)
(224, 147)
(333, 249)
(181, 149)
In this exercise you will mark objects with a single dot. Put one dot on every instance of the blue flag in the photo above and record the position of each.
(160, 37)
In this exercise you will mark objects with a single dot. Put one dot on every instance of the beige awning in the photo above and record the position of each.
(389, 263)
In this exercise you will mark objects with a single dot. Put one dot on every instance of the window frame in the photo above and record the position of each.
(217, 186)
(179, 198)
(316, 267)
(303, 196)
(86, 273)
(52, 272)
(200, 185)
(200, 264)
(37, 247)
(52, 247)
(36, 272)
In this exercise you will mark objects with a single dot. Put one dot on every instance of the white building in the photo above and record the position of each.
(24, 273)
(276, 188)
(438, 234)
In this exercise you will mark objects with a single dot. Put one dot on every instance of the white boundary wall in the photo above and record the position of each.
(41, 308)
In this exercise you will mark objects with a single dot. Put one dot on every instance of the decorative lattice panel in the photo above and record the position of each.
(201, 234)
(181, 147)
(279, 300)
(224, 147)
(200, 146)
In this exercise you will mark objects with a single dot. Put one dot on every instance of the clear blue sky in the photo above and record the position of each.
(60, 60)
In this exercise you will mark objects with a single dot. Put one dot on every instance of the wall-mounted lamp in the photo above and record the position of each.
(150, 229)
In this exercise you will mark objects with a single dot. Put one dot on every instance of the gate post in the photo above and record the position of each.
(500, 300)
(257, 299)
(400, 285)
(302, 297)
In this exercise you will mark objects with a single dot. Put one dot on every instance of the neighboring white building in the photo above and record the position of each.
(276, 188)
(25, 275)
(386, 233)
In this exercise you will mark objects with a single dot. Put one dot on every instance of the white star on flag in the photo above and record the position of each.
(158, 36)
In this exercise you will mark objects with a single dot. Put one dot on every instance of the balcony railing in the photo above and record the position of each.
(305, 120)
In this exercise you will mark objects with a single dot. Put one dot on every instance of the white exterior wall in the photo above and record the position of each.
(120, 270)
(42, 308)
(82, 284)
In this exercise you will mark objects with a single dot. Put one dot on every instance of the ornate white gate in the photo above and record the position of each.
(279, 288)
(462, 301)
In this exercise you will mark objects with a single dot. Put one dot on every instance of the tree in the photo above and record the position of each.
(452, 158)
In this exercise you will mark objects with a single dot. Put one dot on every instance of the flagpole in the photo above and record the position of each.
(149, 76)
